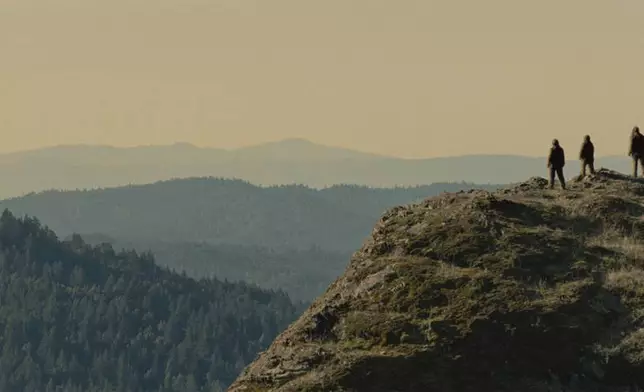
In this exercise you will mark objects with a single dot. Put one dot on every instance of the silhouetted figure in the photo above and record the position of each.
(556, 163)
(587, 156)
(636, 150)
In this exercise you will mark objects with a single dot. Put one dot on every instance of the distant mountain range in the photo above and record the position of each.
(291, 161)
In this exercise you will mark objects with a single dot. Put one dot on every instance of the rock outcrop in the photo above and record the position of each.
(523, 289)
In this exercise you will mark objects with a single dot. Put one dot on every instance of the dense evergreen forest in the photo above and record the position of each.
(220, 211)
(80, 318)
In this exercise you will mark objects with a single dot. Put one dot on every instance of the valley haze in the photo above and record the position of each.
(287, 237)
(289, 161)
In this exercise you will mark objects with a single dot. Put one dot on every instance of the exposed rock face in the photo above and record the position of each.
(524, 289)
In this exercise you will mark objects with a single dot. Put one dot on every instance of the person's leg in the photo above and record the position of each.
(591, 164)
(562, 180)
(635, 160)
(583, 168)
(552, 178)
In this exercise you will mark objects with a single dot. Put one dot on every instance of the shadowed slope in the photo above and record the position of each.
(523, 289)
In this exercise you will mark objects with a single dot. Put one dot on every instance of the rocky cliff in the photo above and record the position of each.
(523, 289)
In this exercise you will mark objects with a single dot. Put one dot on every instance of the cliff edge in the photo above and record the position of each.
(523, 289)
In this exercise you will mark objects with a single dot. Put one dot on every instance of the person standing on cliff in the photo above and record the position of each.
(556, 163)
(587, 156)
(636, 150)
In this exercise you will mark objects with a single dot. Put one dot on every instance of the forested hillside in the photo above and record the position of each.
(80, 318)
(225, 212)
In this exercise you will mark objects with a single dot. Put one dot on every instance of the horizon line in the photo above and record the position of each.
(266, 144)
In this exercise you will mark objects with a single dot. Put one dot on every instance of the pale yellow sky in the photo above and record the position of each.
(413, 78)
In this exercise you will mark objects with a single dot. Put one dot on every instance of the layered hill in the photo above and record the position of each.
(522, 289)
(74, 317)
(220, 211)
(291, 161)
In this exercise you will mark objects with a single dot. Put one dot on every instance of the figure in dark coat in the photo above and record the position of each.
(636, 150)
(587, 156)
(556, 163)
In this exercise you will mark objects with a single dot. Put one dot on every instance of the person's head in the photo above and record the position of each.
(636, 130)
(555, 143)
(587, 138)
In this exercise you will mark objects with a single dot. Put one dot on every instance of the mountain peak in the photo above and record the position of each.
(525, 288)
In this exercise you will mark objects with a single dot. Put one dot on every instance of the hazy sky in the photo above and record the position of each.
(403, 77)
